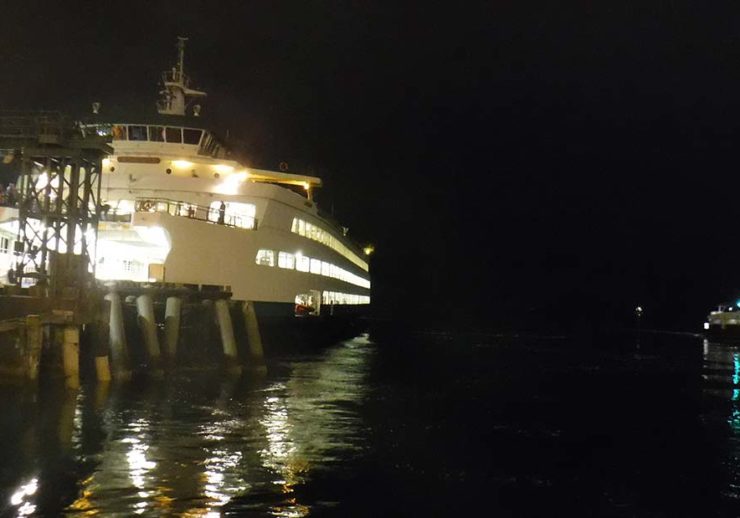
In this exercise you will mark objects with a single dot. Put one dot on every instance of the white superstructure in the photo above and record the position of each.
(177, 209)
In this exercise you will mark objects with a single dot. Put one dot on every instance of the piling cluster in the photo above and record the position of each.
(133, 330)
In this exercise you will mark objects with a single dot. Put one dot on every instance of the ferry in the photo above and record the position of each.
(724, 322)
(177, 208)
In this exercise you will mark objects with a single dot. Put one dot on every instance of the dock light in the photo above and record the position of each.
(182, 164)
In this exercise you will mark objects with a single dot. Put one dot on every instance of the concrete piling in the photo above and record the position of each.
(148, 326)
(121, 367)
(228, 341)
(71, 355)
(100, 332)
(254, 338)
(102, 368)
(56, 334)
(172, 314)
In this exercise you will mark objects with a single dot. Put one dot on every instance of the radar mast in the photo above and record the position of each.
(177, 94)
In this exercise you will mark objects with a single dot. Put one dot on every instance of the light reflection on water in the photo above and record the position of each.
(722, 380)
(194, 444)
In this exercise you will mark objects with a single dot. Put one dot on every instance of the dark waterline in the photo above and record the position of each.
(429, 424)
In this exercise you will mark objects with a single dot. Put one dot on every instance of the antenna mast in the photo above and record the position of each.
(177, 95)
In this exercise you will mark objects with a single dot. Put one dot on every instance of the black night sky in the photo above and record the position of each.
(511, 161)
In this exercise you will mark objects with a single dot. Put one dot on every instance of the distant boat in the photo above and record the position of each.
(724, 322)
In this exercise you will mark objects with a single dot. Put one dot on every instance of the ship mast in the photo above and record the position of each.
(177, 94)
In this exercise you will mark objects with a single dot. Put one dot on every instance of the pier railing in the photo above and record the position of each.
(193, 211)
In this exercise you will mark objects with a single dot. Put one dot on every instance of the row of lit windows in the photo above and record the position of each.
(306, 229)
(333, 297)
(307, 264)
(149, 133)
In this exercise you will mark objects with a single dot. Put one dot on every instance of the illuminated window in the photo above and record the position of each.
(307, 264)
(286, 260)
(303, 263)
(333, 297)
(266, 257)
(236, 214)
(320, 235)
(103, 130)
(118, 132)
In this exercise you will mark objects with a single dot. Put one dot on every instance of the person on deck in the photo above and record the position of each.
(222, 214)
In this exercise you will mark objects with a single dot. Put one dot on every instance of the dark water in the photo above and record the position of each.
(434, 425)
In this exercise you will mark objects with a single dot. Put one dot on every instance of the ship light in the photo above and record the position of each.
(369, 249)
(106, 163)
(231, 184)
(706, 325)
(223, 168)
(182, 164)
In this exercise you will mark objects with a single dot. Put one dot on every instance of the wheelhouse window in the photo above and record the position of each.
(103, 130)
(118, 131)
(137, 133)
(174, 135)
(191, 136)
(156, 133)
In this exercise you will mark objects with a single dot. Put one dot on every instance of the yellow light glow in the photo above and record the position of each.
(223, 168)
(306, 185)
(182, 164)
(231, 184)
(369, 249)
(106, 162)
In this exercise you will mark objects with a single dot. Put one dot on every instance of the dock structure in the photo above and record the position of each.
(53, 305)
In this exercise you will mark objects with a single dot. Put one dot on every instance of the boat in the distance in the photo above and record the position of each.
(723, 322)
(179, 209)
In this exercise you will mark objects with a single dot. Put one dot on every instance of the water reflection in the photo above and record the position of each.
(197, 444)
(721, 374)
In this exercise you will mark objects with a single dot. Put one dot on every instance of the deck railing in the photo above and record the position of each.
(193, 211)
